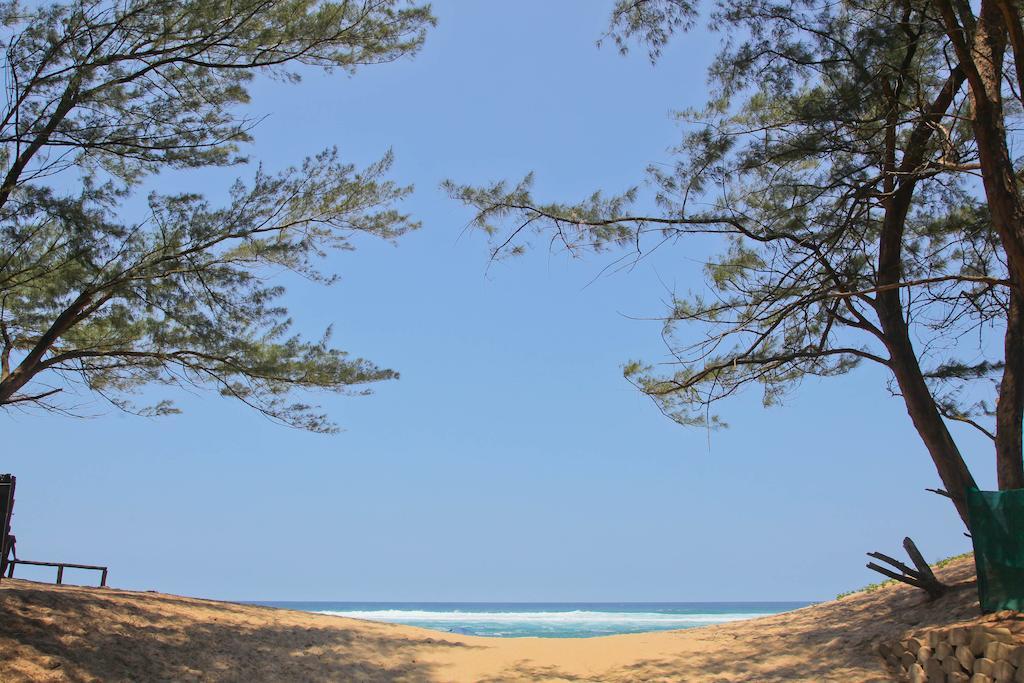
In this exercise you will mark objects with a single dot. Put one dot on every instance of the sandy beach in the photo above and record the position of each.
(67, 633)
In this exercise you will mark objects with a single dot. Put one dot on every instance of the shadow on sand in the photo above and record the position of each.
(54, 634)
(77, 634)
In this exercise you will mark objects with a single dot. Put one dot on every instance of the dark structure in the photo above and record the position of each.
(7, 482)
(60, 569)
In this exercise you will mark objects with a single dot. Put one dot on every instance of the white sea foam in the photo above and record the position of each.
(577, 617)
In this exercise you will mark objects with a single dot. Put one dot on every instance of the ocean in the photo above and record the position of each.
(546, 619)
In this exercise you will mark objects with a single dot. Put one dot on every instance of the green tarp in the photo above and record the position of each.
(997, 530)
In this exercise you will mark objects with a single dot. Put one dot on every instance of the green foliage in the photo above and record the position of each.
(652, 23)
(103, 94)
(819, 122)
(952, 558)
(870, 588)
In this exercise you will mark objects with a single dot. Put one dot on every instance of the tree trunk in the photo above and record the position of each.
(1010, 407)
(899, 188)
(985, 55)
(29, 365)
(952, 469)
(982, 56)
(1003, 194)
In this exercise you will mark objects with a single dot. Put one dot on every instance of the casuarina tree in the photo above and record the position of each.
(99, 300)
(853, 159)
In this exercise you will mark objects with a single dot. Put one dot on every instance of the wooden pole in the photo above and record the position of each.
(896, 563)
(61, 566)
(893, 575)
(922, 577)
(7, 482)
(934, 587)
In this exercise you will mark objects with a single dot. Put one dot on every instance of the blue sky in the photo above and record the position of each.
(511, 461)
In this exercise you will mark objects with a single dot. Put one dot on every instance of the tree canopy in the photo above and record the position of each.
(839, 159)
(100, 95)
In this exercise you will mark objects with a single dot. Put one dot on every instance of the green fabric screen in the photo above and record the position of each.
(997, 531)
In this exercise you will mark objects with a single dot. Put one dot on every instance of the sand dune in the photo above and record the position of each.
(65, 633)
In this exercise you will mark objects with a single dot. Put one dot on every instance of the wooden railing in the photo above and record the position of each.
(60, 569)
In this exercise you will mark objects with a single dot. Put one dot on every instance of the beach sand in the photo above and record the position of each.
(66, 633)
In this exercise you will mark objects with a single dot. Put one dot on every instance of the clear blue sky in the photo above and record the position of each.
(511, 461)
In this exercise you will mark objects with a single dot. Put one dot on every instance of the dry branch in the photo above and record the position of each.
(922, 577)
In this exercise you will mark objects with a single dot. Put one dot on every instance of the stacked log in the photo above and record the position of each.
(975, 653)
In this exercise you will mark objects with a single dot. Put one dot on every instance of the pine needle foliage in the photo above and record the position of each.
(837, 159)
(101, 95)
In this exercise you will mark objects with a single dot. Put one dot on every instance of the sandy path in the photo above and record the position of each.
(50, 633)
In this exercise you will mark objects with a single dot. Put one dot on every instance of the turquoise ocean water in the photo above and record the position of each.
(547, 619)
